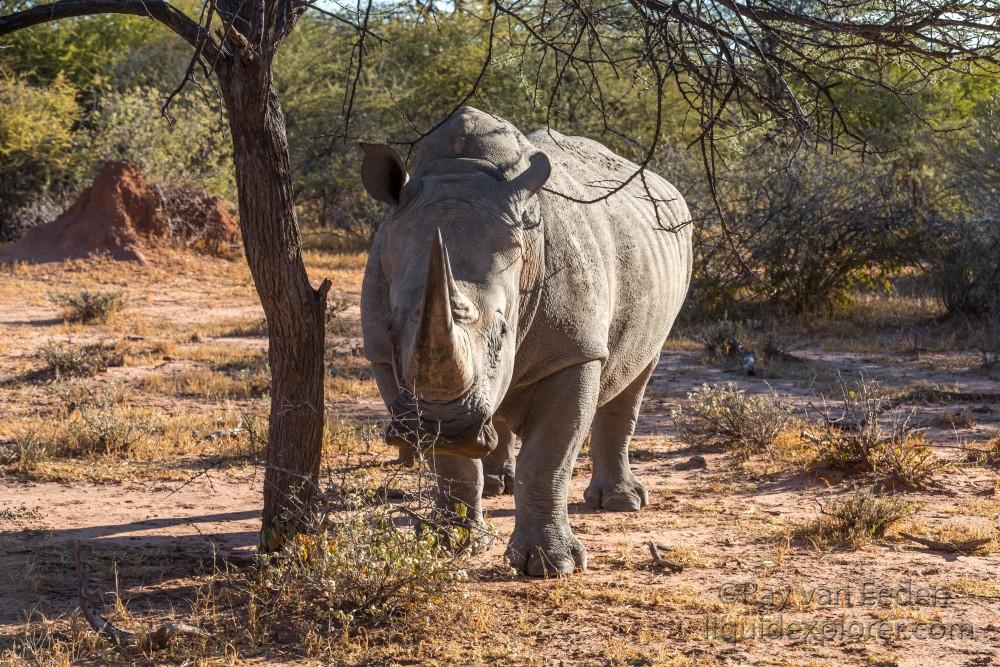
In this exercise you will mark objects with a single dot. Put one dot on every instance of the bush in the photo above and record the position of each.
(858, 520)
(36, 146)
(721, 339)
(964, 267)
(90, 306)
(356, 567)
(812, 226)
(854, 441)
(196, 150)
(68, 360)
(744, 424)
(111, 427)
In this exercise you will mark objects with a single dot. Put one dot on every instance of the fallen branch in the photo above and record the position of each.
(662, 562)
(153, 641)
(966, 547)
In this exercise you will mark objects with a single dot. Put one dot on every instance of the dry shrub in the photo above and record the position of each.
(744, 424)
(954, 419)
(361, 564)
(26, 450)
(857, 520)
(854, 441)
(112, 428)
(721, 339)
(90, 306)
(68, 360)
(984, 454)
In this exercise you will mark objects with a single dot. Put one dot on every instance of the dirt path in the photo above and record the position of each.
(732, 527)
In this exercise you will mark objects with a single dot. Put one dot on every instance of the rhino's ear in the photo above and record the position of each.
(383, 173)
(531, 180)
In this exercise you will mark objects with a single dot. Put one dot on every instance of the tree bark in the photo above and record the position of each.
(294, 310)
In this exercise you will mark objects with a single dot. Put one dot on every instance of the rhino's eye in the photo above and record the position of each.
(503, 325)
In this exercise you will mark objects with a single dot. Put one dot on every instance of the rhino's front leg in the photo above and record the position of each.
(459, 482)
(385, 379)
(561, 409)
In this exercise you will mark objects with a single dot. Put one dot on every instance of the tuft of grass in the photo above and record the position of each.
(90, 306)
(26, 450)
(854, 441)
(985, 454)
(857, 520)
(744, 424)
(69, 360)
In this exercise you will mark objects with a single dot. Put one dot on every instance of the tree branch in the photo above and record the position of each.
(159, 10)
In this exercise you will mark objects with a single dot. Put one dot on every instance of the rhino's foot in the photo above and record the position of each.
(500, 484)
(552, 551)
(496, 483)
(623, 495)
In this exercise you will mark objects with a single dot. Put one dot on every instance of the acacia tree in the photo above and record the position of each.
(777, 64)
(239, 56)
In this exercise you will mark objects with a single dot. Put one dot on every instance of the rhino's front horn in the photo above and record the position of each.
(440, 365)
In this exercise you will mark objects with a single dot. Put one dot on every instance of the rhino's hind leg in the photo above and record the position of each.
(613, 486)
(498, 466)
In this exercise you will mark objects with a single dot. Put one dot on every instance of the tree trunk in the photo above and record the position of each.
(294, 310)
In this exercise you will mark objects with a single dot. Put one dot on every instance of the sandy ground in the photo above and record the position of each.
(731, 526)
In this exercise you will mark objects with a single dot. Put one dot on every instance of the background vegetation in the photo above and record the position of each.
(812, 223)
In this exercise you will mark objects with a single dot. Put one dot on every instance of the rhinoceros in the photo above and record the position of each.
(498, 305)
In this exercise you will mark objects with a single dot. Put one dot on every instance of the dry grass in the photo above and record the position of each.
(985, 453)
(858, 520)
(854, 440)
(64, 359)
(219, 373)
(100, 436)
(90, 306)
(956, 532)
(744, 424)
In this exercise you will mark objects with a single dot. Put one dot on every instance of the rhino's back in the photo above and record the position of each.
(615, 276)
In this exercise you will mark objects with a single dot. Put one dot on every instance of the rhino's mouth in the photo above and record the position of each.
(470, 433)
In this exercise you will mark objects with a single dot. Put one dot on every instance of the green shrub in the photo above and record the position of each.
(964, 266)
(812, 226)
(196, 149)
(37, 147)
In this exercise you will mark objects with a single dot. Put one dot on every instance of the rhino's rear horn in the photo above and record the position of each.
(440, 365)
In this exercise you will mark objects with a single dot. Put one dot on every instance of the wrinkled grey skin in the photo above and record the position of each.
(515, 313)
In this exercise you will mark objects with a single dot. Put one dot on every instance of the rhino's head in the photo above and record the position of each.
(458, 248)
